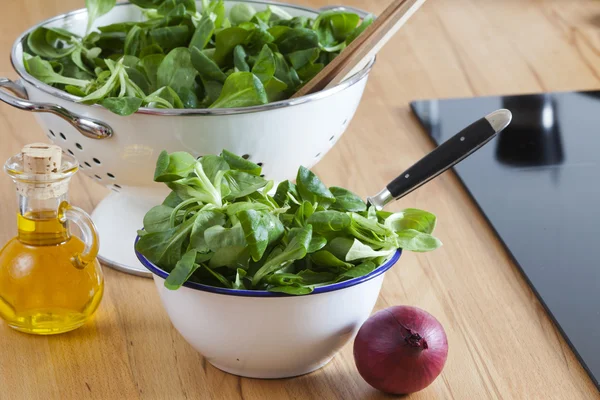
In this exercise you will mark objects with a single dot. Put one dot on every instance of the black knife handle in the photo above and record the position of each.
(443, 157)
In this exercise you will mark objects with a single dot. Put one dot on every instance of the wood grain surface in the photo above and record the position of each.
(502, 344)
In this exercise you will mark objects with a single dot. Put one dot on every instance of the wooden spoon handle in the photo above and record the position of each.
(364, 47)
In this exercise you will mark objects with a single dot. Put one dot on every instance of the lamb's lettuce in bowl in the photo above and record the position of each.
(224, 226)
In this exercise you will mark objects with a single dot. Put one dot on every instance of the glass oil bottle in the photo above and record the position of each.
(50, 280)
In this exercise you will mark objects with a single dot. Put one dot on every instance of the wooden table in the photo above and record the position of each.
(502, 344)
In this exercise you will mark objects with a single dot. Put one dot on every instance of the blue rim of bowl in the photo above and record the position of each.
(263, 293)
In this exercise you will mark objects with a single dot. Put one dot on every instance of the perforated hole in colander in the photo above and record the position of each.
(259, 164)
(62, 135)
(70, 152)
(117, 186)
(52, 133)
(331, 138)
(246, 156)
(87, 164)
(98, 177)
(345, 122)
(318, 154)
(96, 161)
(110, 175)
(80, 147)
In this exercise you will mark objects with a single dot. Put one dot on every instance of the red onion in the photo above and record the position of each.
(400, 350)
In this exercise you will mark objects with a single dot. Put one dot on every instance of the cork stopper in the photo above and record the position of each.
(42, 166)
(41, 158)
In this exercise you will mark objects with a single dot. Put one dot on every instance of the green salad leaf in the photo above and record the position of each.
(183, 56)
(411, 218)
(51, 43)
(311, 188)
(261, 229)
(296, 249)
(241, 164)
(345, 200)
(97, 8)
(122, 105)
(165, 97)
(176, 70)
(203, 33)
(241, 89)
(174, 166)
(165, 247)
(206, 67)
(44, 71)
(158, 218)
(225, 225)
(329, 221)
(241, 12)
(182, 271)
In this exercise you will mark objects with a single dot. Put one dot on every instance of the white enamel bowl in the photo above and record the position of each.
(259, 334)
(121, 152)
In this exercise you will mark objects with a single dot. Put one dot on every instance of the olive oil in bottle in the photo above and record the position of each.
(50, 280)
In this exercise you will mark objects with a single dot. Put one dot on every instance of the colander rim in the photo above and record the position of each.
(19, 67)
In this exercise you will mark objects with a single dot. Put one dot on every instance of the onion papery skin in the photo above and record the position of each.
(400, 349)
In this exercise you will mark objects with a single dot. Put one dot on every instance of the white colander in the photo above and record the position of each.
(120, 152)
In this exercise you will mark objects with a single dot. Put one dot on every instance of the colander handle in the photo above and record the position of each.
(357, 11)
(88, 127)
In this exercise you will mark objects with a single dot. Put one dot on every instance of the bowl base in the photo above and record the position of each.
(117, 218)
(273, 374)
